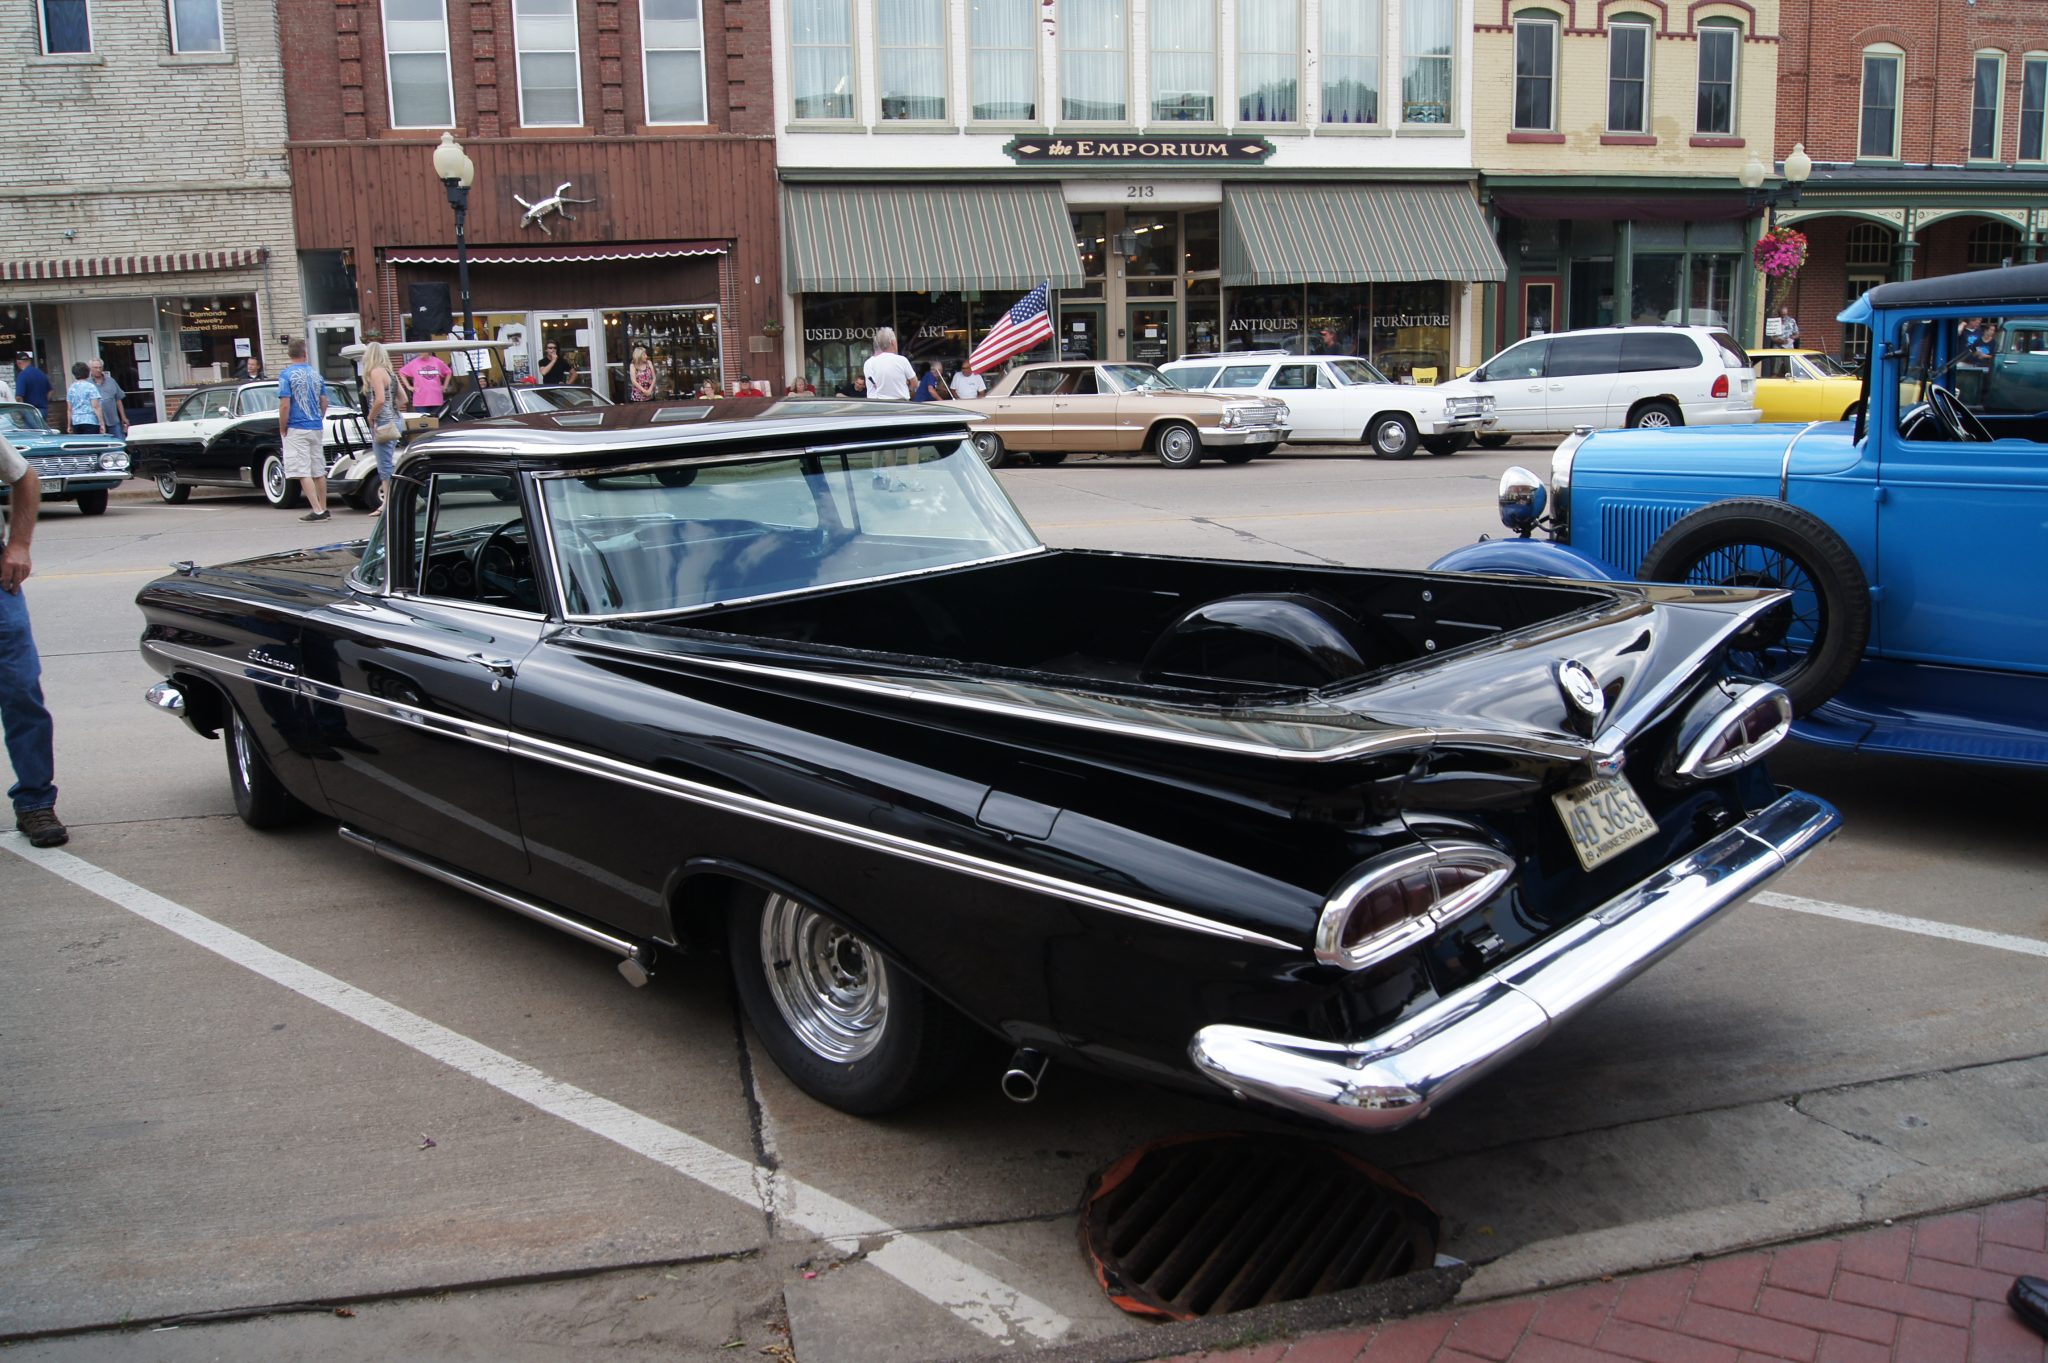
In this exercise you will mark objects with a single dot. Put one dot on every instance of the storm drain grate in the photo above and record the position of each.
(1203, 1225)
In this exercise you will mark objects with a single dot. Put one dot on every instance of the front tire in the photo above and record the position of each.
(1391, 435)
(1653, 416)
(1494, 440)
(278, 490)
(1046, 459)
(1244, 454)
(173, 492)
(989, 446)
(260, 798)
(847, 1025)
(1752, 542)
(1446, 444)
(1177, 446)
(364, 498)
(92, 503)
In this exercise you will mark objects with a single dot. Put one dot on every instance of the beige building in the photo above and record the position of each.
(1611, 150)
(145, 207)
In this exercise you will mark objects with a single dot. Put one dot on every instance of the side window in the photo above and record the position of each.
(217, 403)
(252, 400)
(1584, 355)
(1039, 383)
(496, 401)
(1775, 367)
(1524, 361)
(1198, 377)
(1642, 350)
(1295, 376)
(192, 408)
(473, 542)
(1081, 383)
(1242, 375)
(1323, 379)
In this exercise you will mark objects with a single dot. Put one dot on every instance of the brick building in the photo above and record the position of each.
(652, 119)
(1611, 145)
(145, 209)
(1926, 127)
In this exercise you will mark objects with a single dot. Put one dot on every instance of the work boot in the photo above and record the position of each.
(41, 827)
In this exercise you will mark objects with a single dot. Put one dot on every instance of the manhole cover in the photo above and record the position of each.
(1203, 1225)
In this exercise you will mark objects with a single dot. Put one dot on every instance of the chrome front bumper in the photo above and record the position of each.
(1387, 1081)
(1214, 436)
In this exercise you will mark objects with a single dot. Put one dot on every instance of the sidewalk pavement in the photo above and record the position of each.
(1925, 1291)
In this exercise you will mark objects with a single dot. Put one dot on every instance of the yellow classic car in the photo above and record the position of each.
(1804, 385)
(1048, 411)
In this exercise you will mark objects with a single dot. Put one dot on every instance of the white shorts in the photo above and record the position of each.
(302, 454)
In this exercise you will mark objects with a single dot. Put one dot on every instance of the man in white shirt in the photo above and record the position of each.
(966, 385)
(889, 375)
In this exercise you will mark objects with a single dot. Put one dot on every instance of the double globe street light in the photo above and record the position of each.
(457, 172)
(1797, 167)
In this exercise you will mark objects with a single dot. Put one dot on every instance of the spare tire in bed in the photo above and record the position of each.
(1275, 638)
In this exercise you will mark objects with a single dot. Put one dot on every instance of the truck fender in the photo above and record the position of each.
(1529, 558)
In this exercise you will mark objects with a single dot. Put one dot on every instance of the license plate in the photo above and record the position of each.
(52, 484)
(1603, 818)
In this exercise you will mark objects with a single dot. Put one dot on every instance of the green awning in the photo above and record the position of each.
(1356, 234)
(854, 239)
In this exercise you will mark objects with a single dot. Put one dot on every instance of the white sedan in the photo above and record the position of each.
(1342, 399)
(225, 435)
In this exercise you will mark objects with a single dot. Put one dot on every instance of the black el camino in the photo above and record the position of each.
(799, 682)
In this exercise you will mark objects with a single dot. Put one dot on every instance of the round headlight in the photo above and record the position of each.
(1522, 499)
(114, 461)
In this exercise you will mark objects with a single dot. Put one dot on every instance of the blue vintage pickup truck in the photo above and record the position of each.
(1913, 541)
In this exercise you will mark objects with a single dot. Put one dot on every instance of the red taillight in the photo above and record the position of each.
(1403, 898)
(1720, 388)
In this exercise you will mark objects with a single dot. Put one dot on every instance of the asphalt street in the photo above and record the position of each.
(268, 1097)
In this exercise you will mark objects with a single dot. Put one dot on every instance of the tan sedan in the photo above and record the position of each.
(1048, 411)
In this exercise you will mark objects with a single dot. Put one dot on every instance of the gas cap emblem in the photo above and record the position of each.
(1581, 691)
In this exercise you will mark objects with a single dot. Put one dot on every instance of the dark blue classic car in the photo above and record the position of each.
(1914, 540)
(798, 683)
(71, 468)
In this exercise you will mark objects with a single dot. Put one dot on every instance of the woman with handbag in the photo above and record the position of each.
(381, 381)
(641, 376)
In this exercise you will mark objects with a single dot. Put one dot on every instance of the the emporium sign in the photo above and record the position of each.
(1127, 150)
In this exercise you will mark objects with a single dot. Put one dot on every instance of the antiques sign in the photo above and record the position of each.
(1150, 151)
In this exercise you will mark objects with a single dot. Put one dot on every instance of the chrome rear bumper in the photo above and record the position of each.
(1397, 1077)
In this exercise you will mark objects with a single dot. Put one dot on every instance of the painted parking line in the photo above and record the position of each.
(1926, 927)
(989, 1305)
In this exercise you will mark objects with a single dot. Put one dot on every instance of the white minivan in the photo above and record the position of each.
(1615, 376)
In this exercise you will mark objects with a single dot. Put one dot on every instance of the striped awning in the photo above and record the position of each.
(551, 255)
(853, 239)
(1356, 234)
(102, 267)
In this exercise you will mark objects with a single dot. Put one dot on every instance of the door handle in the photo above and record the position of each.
(501, 669)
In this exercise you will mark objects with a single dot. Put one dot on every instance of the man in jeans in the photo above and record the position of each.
(301, 424)
(26, 722)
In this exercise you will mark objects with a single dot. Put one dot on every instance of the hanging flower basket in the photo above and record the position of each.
(1780, 252)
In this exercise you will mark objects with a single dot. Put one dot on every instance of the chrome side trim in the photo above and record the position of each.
(504, 899)
(712, 797)
(1785, 467)
(1387, 1081)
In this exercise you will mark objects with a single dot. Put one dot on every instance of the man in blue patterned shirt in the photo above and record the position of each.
(301, 423)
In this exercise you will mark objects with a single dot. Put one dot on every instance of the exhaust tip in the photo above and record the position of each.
(1021, 1079)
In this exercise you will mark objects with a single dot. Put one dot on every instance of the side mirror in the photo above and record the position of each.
(1477, 375)
(1523, 498)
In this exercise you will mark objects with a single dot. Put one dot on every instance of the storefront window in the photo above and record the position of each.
(1205, 317)
(1265, 319)
(1655, 297)
(1411, 328)
(16, 335)
(207, 337)
(1337, 317)
(1157, 238)
(933, 326)
(839, 334)
(1091, 240)
(1713, 291)
(1202, 251)
(682, 342)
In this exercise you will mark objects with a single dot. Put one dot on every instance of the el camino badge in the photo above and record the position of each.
(263, 659)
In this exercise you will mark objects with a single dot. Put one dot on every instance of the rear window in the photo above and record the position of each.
(1295, 376)
(1584, 355)
(1733, 356)
(1195, 376)
(1642, 350)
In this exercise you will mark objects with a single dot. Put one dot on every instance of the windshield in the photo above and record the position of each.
(681, 536)
(21, 417)
(1138, 378)
(1827, 367)
(546, 399)
(1357, 371)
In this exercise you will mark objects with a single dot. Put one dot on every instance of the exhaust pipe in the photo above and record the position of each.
(1020, 1081)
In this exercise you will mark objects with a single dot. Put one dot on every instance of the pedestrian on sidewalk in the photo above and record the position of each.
(83, 398)
(111, 395)
(31, 385)
(889, 375)
(381, 381)
(30, 750)
(301, 424)
(931, 385)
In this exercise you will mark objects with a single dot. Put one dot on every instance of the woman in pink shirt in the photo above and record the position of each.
(427, 374)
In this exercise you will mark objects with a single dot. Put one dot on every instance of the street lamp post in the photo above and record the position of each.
(1797, 167)
(457, 173)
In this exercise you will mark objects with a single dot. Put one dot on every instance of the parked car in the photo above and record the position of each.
(796, 680)
(1049, 411)
(1912, 540)
(1615, 376)
(69, 468)
(520, 398)
(1343, 399)
(225, 435)
(1804, 385)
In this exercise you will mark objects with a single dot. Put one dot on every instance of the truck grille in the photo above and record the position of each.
(1628, 529)
(46, 464)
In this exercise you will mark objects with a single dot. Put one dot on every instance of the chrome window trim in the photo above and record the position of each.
(784, 816)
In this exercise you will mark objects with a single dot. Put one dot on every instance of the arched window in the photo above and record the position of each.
(1536, 71)
(1720, 57)
(1878, 127)
(1987, 104)
(1868, 245)
(1992, 244)
(1628, 73)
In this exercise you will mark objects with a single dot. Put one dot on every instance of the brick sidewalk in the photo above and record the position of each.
(1928, 1291)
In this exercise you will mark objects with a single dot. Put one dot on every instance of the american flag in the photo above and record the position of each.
(1028, 324)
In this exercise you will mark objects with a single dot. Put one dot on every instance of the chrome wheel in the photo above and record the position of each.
(277, 489)
(1178, 446)
(242, 751)
(828, 984)
(170, 489)
(989, 446)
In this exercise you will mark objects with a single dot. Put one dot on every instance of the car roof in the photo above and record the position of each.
(707, 427)
(2012, 284)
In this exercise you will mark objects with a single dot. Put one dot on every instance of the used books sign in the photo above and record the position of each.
(1134, 150)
